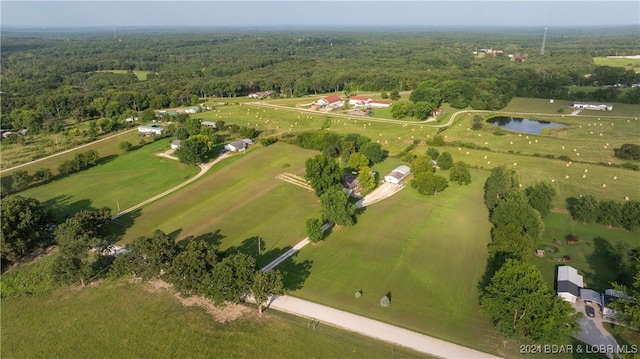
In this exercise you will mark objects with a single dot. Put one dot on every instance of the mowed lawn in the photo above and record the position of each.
(590, 255)
(236, 204)
(124, 320)
(125, 180)
(428, 252)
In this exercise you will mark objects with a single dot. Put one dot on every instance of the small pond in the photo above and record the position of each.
(524, 125)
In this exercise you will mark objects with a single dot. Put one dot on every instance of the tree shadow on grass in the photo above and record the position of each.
(294, 273)
(213, 238)
(118, 226)
(106, 159)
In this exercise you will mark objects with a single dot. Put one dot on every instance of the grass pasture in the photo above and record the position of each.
(618, 62)
(236, 204)
(125, 179)
(140, 75)
(125, 320)
(394, 136)
(428, 252)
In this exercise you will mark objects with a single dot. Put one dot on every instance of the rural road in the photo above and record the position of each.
(66, 151)
(203, 169)
(374, 329)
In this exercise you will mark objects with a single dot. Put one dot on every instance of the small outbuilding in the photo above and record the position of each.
(236, 146)
(150, 129)
(175, 144)
(397, 175)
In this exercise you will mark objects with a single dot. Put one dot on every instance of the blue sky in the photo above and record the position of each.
(263, 13)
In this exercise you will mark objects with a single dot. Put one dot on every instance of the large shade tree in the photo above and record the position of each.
(322, 173)
(521, 305)
(26, 225)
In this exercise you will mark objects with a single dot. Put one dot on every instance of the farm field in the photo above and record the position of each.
(125, 179)
(140, 75)
(15, 154)
(393, 135)
(410, 246)
(125, 320)
(235, 205)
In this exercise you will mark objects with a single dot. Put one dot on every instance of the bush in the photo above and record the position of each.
(125, 146)
(564, 158)
(628, 151)
(268, 141)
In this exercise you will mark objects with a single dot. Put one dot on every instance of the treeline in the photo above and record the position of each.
(46, 80)
(588, 209)
(513, 292)
(86, 253)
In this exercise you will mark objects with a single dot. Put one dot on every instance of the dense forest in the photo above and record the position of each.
(52, 76)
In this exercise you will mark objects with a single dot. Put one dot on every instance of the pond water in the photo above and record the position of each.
(524, 125)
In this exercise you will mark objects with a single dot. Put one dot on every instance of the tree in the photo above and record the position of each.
(323, 173)
(231, 278)
(402, 109)
(336, 208)
(421, 164)
(147, 256)
(460, 173)
(373, 151)
(428, 183)
(500, 182)
(193, 126)
(445, 160)
(43, 174)
(609, 213)
(367, 179)
(433, 153)
(585, 209)
(422, 110)
(508, 242)
(75, 237)
(149, 115)
(521, 305)
(20, 180)
(313, 228)
(540, 197)
(125, 146)
(394, 95)
(182, 134)
(26, 225)
(190, 269)
(515, 209)
(358, 161)
(194, 150)
(628, 307)
(628, 151)
(630, 218)
(476, 123)
(266, 284)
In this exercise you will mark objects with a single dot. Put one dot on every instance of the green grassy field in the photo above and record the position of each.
(45, 145)
(124, 320)
(428, 252)
(125, 179)
(236, 204)
(618, 62)
(141, 75)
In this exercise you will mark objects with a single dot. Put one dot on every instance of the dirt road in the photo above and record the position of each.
(374, 329)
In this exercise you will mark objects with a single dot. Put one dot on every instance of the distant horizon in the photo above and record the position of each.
(324, 14)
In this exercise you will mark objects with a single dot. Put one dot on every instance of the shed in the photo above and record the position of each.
(175, 144)
(209, 124)
(236, 146)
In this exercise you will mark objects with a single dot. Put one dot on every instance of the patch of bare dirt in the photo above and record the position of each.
(228, 313)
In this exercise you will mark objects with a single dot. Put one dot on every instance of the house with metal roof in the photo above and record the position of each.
(569, 283)
(397, 175)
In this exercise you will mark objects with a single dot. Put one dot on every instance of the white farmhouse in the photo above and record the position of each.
(150, 129)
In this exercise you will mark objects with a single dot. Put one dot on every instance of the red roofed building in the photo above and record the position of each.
(329, 100)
